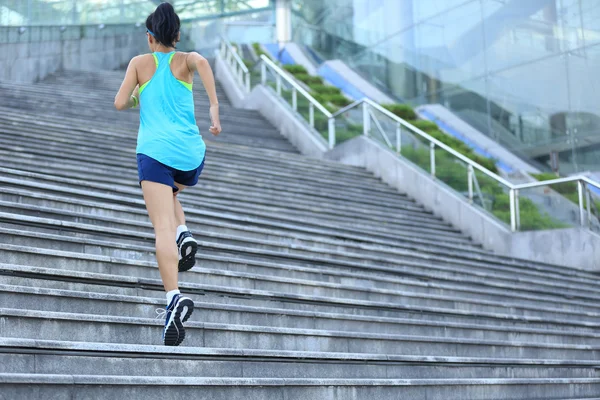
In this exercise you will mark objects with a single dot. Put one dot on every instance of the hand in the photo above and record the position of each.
(215, 128)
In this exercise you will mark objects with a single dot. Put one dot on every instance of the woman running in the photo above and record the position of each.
(170, 150)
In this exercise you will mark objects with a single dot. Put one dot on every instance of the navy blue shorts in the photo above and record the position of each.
(151, 170)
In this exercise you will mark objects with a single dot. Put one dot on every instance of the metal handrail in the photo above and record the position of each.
(472, 165)
(280, 71)
(280, 74)
(425, 135)
(230, 55)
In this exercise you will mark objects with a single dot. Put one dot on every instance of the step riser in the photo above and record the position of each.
(406, 221)
(81, 331)
(87, 365)
(334, 263)
(220, 316)
(449, 392)
(202, 276)
(145, 252)
(438, 318)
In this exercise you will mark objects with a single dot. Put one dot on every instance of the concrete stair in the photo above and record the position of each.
(314, 280)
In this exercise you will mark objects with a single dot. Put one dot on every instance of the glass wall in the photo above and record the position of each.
(83, 12)
(522, 72)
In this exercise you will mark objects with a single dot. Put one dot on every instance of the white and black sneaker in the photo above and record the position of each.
(177, 312)
(187, 250)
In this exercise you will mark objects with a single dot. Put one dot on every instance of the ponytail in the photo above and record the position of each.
(164, 24)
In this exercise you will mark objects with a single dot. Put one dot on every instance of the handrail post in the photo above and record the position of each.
(432, 158)
(513, 211)
(398, 137)
(470, 182)
(263, 73)
(517, 210)
(311, 114)
(588, 202)
(294, 99)
(581, 207)
(331, 132)
(247, 77)
(278, 84)
(366, 120)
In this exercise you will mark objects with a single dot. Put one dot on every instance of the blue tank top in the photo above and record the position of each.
(168, 131)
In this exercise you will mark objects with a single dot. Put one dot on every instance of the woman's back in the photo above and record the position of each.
(168, 131)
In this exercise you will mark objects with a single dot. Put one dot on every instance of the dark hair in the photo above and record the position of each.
(165, 24)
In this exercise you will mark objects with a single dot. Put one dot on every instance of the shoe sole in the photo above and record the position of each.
(188, 261)
(175, 333)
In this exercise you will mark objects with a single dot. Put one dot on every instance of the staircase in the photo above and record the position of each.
(314, 280)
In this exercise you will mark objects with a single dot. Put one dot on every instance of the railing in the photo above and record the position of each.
(585, 202)
(400, 128)
(237, 65)
(296, 88)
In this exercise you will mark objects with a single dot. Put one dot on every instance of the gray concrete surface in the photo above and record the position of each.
(235, 94)
(28, 62)
(281, 115)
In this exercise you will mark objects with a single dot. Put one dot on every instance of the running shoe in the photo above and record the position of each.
(176, 313)
(187, 246)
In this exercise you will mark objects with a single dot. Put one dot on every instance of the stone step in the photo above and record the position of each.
(55, 357)
(112, 129)
(108, 304)
(50, 184)
(131, 208)
(252, 301)
(213, 187)
(208, 275)
(62, 326)
(363, 192)
(124, 237)
(213, 257)
(220, 170)
(100, 387)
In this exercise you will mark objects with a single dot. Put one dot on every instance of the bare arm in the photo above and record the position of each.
(129, 89)
(197, 63)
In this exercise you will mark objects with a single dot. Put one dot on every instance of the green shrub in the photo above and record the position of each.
(295, 69)
(568, 188)
(309, 79)
(424, 125)
(249, 63)
(401, 110)
(432, 129)
(324, 89)
(321, 98)
(259, 51)
(349, 132)
(338, 99)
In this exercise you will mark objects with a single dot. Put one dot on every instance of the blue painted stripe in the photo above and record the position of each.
(453, 132)
(332, 77)
(285, 59)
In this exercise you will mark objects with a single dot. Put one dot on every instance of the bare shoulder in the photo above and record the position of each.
(194, 59)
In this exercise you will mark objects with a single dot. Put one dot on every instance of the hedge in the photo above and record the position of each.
(401, 110)
(309, 79)
(295, 69)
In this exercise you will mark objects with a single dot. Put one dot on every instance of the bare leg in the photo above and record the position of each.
(160, 206)
(179, 215)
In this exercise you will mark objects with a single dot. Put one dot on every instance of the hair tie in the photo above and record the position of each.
(150, 32)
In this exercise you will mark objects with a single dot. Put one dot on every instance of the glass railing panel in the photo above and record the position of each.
(543, 208)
